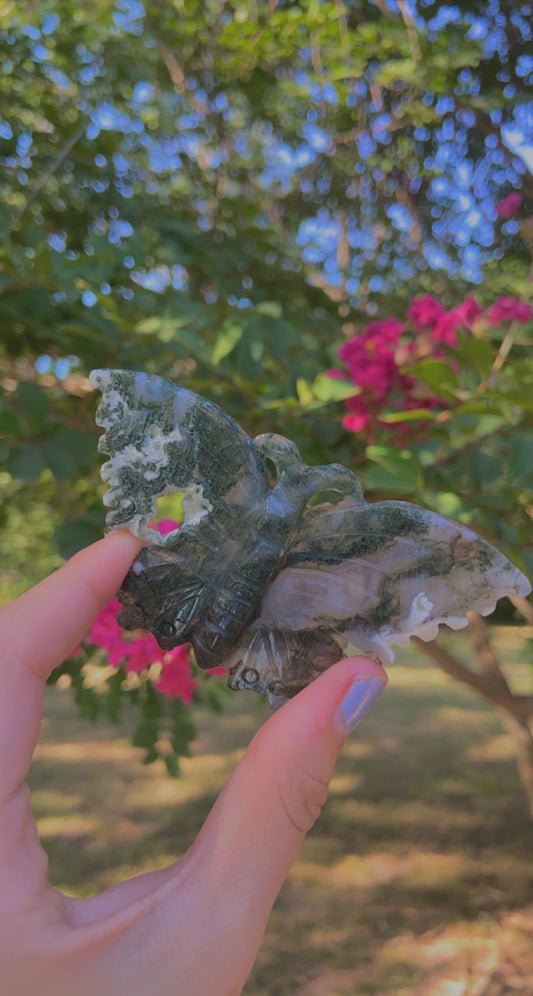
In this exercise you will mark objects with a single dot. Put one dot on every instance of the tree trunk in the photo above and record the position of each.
(490, 682)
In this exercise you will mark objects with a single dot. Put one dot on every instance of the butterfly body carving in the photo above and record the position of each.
(265, 577)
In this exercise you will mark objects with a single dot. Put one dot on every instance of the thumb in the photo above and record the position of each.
(253, 833)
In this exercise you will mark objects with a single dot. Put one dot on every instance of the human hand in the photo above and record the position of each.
(193, 928)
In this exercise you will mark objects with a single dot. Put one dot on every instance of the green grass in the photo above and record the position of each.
(419, 870)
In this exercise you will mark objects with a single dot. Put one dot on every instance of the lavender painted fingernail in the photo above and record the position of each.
(356, 703)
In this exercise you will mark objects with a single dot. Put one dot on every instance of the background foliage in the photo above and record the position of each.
(224, 193)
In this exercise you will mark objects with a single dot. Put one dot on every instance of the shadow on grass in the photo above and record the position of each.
(425, 828)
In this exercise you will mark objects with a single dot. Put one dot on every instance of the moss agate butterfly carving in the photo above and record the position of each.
(267, 578)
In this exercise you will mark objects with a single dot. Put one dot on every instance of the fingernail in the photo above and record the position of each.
(356, 703)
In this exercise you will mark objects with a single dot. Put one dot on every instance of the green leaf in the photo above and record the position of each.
(447, 503)
(522, 395)
(9, 423)
(278, 404)
(88, 701)
(34, 403)
(477, 353)
(78, 445)
(227, 339)
(304, 391)
(172, 765)
(485, 470)
(149, 326)
(59, 460)
(426, 451)
(381, 479)
(152, 707)
(487, 424)
(27, 462)
(248, 352)
(271, 308)
(146, 734)
(113, 695)
(392, 70)
(74, 535)
(395, 470)
(521, 459)
(437, 374)
(151, 755)
(412, 415)
(332, 389)
(480, 407)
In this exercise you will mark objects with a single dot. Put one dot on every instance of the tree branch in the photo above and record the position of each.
(343, 22)
(490, 688)
(524, 607)
(43, 180)
(506, 344)
(177, 77)
(407, 17)
(517, 726)
(490, 682)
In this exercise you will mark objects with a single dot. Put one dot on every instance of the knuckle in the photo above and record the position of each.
(302, 798)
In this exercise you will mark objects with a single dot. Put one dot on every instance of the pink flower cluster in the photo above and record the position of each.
(427, 315)
(377, 356)
(137, 653)
(138, 650)
(371, 361)
(508, 309)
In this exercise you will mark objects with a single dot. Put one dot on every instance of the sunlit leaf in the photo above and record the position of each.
(333, 389)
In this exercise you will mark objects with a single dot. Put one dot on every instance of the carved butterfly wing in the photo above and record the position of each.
(278, 663)
(159, 595)
(164, 439)
(372, 576)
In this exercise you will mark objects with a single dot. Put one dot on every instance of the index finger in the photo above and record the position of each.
(39, 630)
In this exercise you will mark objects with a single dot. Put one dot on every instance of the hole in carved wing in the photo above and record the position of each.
(272, 471)
(325, 498)
(168, 513)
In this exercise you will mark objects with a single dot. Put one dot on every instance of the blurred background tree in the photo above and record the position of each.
(224, 193)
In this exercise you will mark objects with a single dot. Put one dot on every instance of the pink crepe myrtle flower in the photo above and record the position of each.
(509, 309)
(356, 422)
(142, 651)
(105, 632)
(424, 312)
(374, 358)
(509, 206)
(468, 311)
(176, 677)
(446, 328)
(387, 330)
(370, 357)
(378, 359)
(336, 373)
(165, 526)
